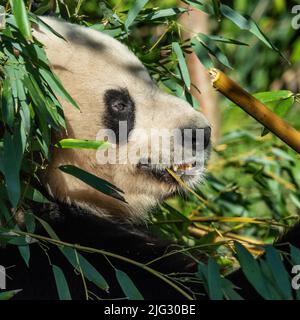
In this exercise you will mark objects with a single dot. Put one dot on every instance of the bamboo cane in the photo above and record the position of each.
(256, 109)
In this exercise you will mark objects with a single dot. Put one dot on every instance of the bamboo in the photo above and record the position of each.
(256, 109)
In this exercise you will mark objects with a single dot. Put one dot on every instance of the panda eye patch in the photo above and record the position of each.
(119, 103)
(119, 106)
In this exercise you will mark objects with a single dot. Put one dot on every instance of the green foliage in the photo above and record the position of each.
(253, 176)
(128, 287)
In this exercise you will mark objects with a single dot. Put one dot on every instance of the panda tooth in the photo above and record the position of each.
(175, 167)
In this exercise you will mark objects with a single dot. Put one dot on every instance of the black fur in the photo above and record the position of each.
(119, 107)
(74, 225)
(78, 226)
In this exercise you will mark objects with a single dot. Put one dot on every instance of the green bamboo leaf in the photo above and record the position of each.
(199, 5)
(295, 255)
(25, 253)
(249, 25)
(34, 18)
(216, 7)
(82, 144)
(56, 85)
(229, 290)
(202, 53)
(224, 40)
(279, 272)
(1, 161)
(29, 221)
(77, 260)
(282, 108)
(251, 270)
(20, 14)
(270, 96)
(270, 281)
(6, 214)
(202, 274)
(128, 287)
(93, 181)
(182, 64)
(157, 14)
(9, 294)
(213, 49)
(35, 195)
(45, 112)
(214, 280)
(8, 109)
(11, 169)
(61, 283)
(133, 12)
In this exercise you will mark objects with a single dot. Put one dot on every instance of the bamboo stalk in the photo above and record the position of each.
(256, 109)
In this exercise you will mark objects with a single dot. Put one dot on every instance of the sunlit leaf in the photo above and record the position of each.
(82, 144)
(20, 13)
(7, 295)
(133, 12)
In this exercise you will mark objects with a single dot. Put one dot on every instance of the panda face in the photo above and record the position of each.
(150, 131)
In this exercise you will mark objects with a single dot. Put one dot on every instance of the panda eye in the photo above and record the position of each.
(118, 102)
(119, 107)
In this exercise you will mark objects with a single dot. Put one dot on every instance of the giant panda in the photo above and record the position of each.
(111, 85)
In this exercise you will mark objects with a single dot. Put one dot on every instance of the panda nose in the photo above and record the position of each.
(189, 135)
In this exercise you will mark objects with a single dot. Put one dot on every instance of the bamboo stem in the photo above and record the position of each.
(256, 109)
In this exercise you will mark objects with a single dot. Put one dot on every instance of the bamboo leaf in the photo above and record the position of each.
(128, 287)
(251, 270)
(182, 64)
(56, 85)
(214, 280)
(164, 13)
(20, 14)
(82, 144)
(249, 25)
(279, 272)
(133, 12)
(8, 111)
(93, 181)
(11, 168)
(9, 294)
(202, 53)
(76, 258)
(61, 283)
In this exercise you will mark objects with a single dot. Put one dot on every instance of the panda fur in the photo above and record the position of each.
(96, 70)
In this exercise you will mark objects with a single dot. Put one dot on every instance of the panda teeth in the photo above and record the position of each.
(182, 167)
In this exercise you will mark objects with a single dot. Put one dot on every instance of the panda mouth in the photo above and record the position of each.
(183, 170)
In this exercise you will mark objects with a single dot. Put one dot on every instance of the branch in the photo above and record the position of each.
(256, 109)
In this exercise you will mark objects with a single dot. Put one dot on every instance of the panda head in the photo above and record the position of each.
(149, 130)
